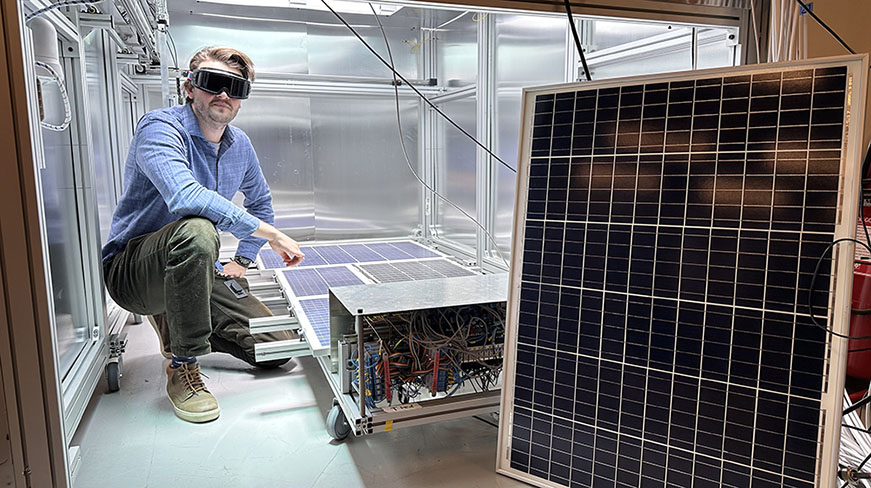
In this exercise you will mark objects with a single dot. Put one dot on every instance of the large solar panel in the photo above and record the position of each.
(666, 234)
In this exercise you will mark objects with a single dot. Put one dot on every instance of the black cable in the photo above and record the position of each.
(577, 41)
(810, 293)
(405, 151)
(826, 27)
(421, 95)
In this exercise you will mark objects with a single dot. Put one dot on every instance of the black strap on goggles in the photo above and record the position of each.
(215, 81)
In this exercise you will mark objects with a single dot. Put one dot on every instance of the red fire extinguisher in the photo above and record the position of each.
(859, 351)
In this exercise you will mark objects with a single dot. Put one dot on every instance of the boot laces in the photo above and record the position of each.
(193, 378)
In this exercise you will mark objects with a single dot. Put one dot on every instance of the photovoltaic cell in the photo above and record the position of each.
(362, 253)
(339, 276)
(414, 270)
(335, 255)
(317, 312)
(670, 234)
(312, 258)
(305, 282)
(270, 259)
(414, 249)
(389, 252)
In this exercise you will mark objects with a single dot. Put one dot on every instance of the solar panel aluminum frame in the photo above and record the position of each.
(842, 256)
(308, 331)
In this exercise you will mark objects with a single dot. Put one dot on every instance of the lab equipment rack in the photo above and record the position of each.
(348, 306)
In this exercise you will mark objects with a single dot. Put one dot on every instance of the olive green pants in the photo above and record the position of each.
(172, 271)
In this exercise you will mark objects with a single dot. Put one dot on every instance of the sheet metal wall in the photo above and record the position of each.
(303, 140)
(457, 66)
(530, 51)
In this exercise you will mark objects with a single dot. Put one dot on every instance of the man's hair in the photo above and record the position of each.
(231, 57)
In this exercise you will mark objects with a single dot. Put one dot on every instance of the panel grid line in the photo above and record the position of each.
(705, 285)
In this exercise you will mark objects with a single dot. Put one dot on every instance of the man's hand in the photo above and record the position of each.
(234, 270)
(286, 247)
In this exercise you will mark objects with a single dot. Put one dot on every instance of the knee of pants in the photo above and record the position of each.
(198, 236)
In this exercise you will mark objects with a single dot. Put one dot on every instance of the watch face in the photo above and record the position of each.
(242, 260)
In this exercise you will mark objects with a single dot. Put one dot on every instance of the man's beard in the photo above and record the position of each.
(215, 114)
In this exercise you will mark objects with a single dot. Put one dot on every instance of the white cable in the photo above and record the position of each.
(67, 3)
(408, 160)
(755, 30)
(63, 94)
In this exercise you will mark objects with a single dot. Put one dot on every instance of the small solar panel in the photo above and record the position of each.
(306, 282)
(668, 231)
(414, 249)
(446, 268)
(317, 313)
(361, 253)
(385, 272)
(339, 276)
(335, 255)
(270, 259)
(389, 252)
(312, 258)
(414, 270)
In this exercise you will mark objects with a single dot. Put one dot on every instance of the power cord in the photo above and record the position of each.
(577, 40)
(813, 283)
(824, 26)
(405, 151)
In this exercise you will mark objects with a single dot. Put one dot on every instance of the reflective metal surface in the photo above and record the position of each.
(103, 163)
(455, 160)
(60, 203)
(280, 129)
(456, 47)
(333, 50)
(272, 46)
(530, 50)
(362, 184)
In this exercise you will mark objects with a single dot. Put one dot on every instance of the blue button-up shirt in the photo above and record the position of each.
(172, 171)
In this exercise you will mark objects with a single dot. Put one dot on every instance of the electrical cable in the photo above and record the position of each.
(414, 89)
(824, 26)
(814, 280)
(64, 97)
(577, 40)
(405, 150)
(67, 3)
(755, 30)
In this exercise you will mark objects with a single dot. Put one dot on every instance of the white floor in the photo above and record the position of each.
(271, 433)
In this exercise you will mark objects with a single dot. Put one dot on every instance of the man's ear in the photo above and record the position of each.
(188, 88)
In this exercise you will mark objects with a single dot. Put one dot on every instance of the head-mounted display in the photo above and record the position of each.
(215, 81)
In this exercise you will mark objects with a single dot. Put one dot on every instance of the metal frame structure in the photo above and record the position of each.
(842, 256)
(484, 254)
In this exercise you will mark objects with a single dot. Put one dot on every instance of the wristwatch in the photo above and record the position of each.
(242, 261)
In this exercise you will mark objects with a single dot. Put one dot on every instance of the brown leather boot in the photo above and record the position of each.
(188, 394)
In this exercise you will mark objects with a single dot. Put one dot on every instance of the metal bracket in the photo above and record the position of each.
(117, 345)
(89, 22)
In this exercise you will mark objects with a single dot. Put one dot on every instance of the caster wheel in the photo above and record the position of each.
(337, 425)
(113, 375)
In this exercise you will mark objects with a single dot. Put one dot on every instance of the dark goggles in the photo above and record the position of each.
(215, 81)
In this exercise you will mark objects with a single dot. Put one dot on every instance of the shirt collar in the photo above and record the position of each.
(190, 123)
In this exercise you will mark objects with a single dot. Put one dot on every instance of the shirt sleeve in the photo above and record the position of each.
(258, 201)
(161, 155)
